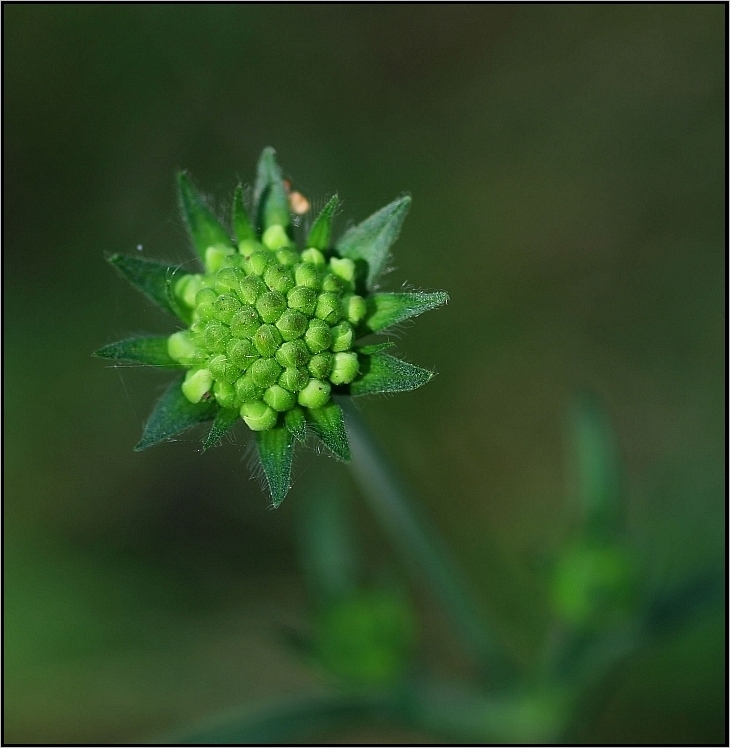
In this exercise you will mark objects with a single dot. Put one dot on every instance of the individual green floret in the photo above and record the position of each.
(267, 340)
(197, 384)
(265, 371)
(318, 336)
(344, 368)
(258, 415)
(245, 322)
(315, 394)
(250, 288)
(270, 306)
(293, 353)
(272, 327)
(292, 324)
(279, 398)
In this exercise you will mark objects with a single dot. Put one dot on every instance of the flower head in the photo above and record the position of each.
(273, 329)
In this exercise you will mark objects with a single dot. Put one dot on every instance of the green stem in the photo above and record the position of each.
(414, 539)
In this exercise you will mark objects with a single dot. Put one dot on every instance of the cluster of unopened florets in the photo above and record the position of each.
(272, 329)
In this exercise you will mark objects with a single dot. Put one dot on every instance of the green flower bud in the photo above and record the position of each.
(292, 324)
(287, 257)
(246, 389)
(225, 307)
(181, 348)
(346, 368)
(294, 379)
(242, 353)
(245, 322)
(308, 276)
(275, 237)
(265, 372)
(270, 305)
(224, 370)
(343, 268)
(257, 263)
(314, 256)
(215, 255)
(342, 336)
(205, 297)
(186, 289)
(250, 288)
(217, 336)
(320, 365)
(278, 278)
(197, 384)
(235, 261)
(225, 394)
(332, 283)
(315, 394)
(354, 308)
(302, 299)
(267, 340)
(318, 336)
(293, 353)
(328, 307)
(279, 398)
(258, 415)
(248, 246)
(228, 279)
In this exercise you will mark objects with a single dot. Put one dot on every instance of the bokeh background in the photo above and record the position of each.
(567, 166)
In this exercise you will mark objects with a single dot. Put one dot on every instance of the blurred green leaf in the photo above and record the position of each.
(153, 279)
(596, 463)
(272, 203)
(321, 231)
(383, 373)
(276, 451)
(149, 351)
(289, 721)
(368, 350)
(172, 415)
(225, 419)
(242, 226)
(594, 585)
(367, 639)
(370, 241)
(328, 423)
(204, 228)
(388, 309)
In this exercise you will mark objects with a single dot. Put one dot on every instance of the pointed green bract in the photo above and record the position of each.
(328, 423)
(172, 415)
(295, 421)
(276, 450)
(321, 231)
(224, 421)
(369, 242)
(383, 373)
(388, 309)
(242, 226)
(368, 350)
(149, 351)
(204, 228)
(153, 279)
(272, 203)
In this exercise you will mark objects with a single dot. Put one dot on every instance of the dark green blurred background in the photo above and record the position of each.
(567, 169)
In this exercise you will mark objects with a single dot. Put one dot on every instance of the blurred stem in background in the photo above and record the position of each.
(419, 546)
